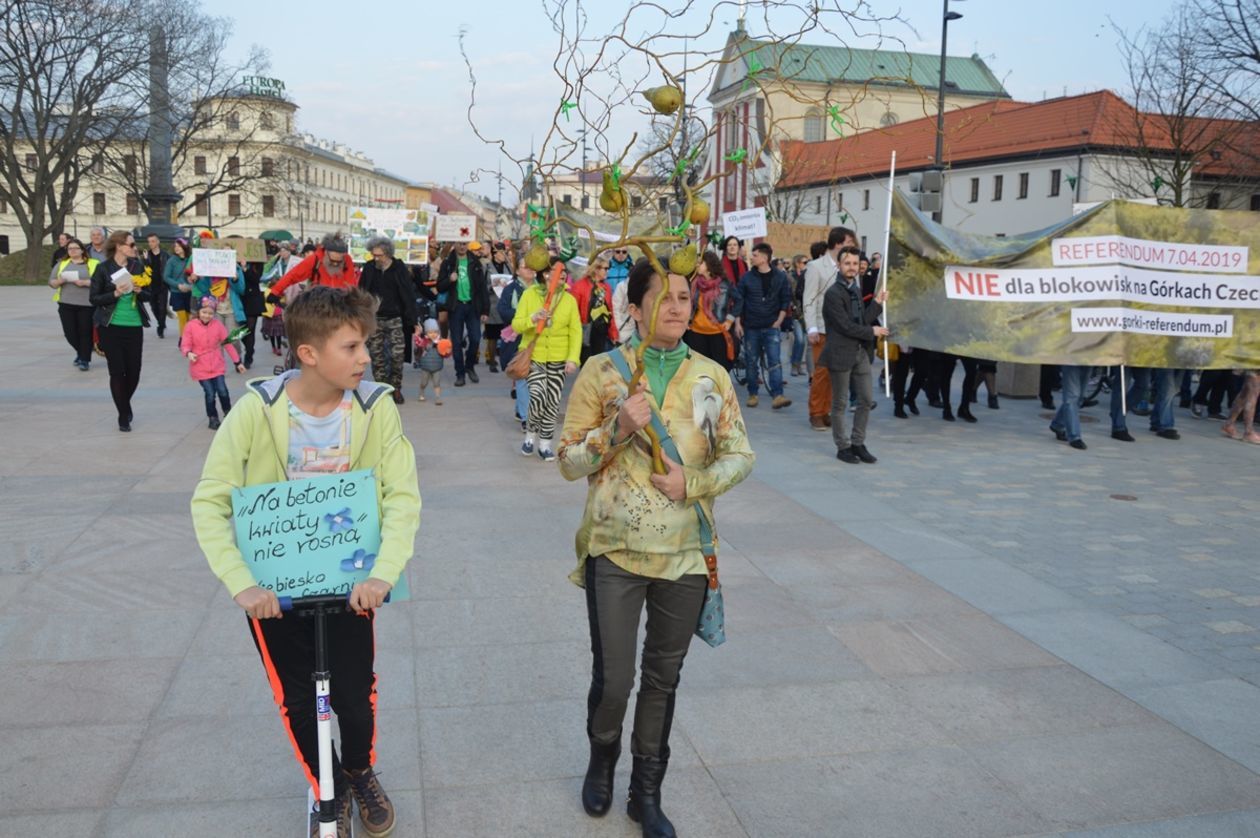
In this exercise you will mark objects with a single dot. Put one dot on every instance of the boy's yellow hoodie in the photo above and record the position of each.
(251, 446)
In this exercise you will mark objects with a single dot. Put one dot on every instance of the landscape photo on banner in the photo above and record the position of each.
(408, 229)
(315, 536)
(1124, 283)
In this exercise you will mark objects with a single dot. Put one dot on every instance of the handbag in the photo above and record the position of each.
(883, 345)
(517, 369)
(711, 625)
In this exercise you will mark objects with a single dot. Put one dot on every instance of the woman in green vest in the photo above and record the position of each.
(71, 276)
(118, 288)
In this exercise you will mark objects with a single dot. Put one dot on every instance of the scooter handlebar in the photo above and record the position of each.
(287, 603)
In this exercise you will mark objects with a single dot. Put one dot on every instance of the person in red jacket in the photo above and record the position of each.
(329, 265)
(594, 299)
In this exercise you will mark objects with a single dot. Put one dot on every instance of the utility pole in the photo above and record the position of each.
(946, 17)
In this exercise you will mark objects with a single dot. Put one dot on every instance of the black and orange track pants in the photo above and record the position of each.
(287, 649)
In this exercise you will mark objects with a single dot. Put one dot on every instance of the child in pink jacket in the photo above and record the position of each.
(202, 343)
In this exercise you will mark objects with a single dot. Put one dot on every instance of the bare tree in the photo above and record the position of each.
(215, 114)
(1232, 49)
(69, 86)
(684, 159)
(1178, 123)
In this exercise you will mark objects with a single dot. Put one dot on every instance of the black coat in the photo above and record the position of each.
(101, 292)
(448, 274)
(846, 337)
(394, 290)
(252, 300)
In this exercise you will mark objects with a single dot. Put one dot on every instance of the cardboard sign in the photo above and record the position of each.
(251, 250)
(211, 262)
(408, 229)
(455, 228)
(315, 536)
(789, 240)
(746, 224)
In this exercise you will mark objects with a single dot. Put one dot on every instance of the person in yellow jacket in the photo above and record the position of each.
(319, 419)
(547, 317)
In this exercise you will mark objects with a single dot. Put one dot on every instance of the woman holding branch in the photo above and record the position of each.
(547, 318)
(646, 536)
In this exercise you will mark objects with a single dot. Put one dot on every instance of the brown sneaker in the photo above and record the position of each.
(376, 813)
(753, 401)
(780, 401)
(816, 423)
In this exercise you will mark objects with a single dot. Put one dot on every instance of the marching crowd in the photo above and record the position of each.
(752, 312)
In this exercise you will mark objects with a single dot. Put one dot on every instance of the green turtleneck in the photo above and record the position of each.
(661, 365)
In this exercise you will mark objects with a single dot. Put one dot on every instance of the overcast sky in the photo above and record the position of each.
(387, 77)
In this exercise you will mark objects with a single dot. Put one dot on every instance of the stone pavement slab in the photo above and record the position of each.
(969, 639)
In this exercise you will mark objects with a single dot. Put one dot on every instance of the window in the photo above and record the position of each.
(202, 207)
(1255, 203)
(234, 166)
(234, 121)
(863, 242)
(269, 206)
(1023, 185)
(288, 124)
(866, 199)
(32, 162)
(234, 204)
(813, 126)
(567, 199)
(266, 120)
(636, 201)
(3, 207)
(663, 204)
(1056, 176)
(268, 167)
(98, 203)
(199, 165)
(586, 201)
(975, 189)
(129, 165)
(839, 200)
(997, 187)
(1214, 200)
(818, 204)
(133, 204)
(98, 166)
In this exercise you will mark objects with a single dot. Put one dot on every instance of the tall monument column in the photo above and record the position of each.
(160, 196)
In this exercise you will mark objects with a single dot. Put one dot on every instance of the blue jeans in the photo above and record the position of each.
(212, 387)
(756, 343)
(1068, 417)
(1140, 389)
(798, 343)
(1166, 386)
(465, 322)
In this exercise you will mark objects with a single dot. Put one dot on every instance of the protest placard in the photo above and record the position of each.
(251, 250)
(408, 229)
(311, 537)
(211, 262)
(788, 240)
(746, 223)
(455, 228)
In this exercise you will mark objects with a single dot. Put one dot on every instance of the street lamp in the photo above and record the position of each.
(946, 17)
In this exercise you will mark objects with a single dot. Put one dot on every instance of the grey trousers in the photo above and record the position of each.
(860, 374)
(614, 600)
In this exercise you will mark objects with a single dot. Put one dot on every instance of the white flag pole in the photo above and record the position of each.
(1124, 396)
(892, 175)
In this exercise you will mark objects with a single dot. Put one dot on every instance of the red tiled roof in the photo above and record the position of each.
(994, 130)
(448, 203)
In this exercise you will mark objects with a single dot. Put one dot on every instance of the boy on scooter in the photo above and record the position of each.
(318, 419)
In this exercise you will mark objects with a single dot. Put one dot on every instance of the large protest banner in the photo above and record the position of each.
(1124, 283)
(408, 229)
(790, 240)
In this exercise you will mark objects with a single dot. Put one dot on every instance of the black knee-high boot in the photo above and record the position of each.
(597, 788)
(644, 805)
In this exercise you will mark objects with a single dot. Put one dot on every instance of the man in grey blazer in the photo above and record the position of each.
(850, 346)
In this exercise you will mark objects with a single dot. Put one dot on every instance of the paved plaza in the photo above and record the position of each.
(986, 634)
